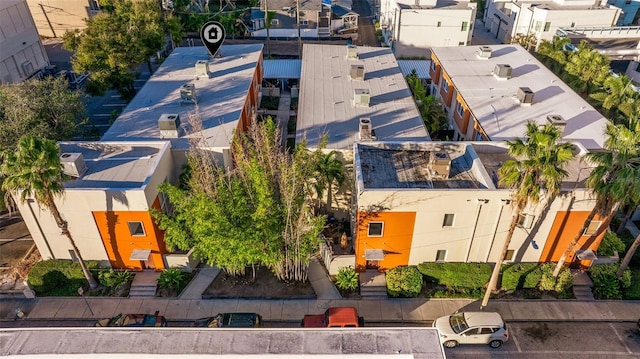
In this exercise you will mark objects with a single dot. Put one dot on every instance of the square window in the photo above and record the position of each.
(459, 109)
(526, 220)
(461, 43)
(547, 26)
(448, 220)
(433, 66)
(439, 23)
(592, 228)
(136, 228)
(509, 255)
(538, 25)
(445, 86)
(375, 229)
(465, 25)
(274, 22)
(304, 22)
(441, 255)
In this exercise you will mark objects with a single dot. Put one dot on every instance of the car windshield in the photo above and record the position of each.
(457, 322)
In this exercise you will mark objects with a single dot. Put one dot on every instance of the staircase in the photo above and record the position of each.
(582, 285)
(144, 285)
(373, 285)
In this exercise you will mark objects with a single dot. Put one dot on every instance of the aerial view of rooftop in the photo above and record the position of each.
(323, 179)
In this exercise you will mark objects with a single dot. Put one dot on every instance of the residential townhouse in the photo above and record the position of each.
(441, 201)
(54, 17)
(507, 18)
(630, 11)
(491, 92)
(315, 19)
(22, 54)
(411, 28)
(108, 202)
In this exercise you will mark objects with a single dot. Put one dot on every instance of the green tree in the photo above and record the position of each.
(330, 170)
(528, 41)
(44, 108)
(430, 108)
(615, 180)
(586, 69)
(553, 54)
(116, 40)
(537, 167)
(34, 169)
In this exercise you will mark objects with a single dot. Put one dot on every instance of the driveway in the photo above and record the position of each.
(366, 30)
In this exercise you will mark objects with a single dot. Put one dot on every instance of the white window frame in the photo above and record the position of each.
(304, 22)
(595, 230)
(444, 255)
(509, 255)
(375, 235)
(433, 66)
(275, 22)
(144, 232)
(445, 86)
(459, 109)
(525, 220)
(444, 220)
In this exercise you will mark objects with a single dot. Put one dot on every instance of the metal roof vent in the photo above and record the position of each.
(169, 124)
(365, 130)
(557, 121)
(502, 71)
(73, 164)
(484, 52)
(202, 69)
(524, 95)
(439, 164)
(357, 72)
(188, 94)
(352, 52)
(361, 97)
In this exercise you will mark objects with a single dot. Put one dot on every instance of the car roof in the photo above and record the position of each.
(477, 319)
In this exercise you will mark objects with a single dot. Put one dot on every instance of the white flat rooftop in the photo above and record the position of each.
(220, 97)
(323, 343)
(493, 103)
(121, 165)
(326, 98)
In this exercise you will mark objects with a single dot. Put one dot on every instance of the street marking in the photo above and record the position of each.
(515, 341)
(591, 353)
(620, 338)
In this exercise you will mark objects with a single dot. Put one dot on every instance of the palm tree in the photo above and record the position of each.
(586, 69)
(34, 169)
(538, 166)
(615, 180)
(330, 170)
(553, 53)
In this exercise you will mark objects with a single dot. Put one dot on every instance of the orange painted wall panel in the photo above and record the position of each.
(119, 243)
(435, 74)
(565, 226)
(395, 240)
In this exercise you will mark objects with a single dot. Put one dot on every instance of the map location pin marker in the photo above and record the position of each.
(212, 34)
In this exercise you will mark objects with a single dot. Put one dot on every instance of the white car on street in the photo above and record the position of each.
(472, 328)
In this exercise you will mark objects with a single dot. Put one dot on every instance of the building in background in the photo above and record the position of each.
(491, 92)
(630, 11)
(22, 54)
(508, 18)
(54, 17)
(411, 28)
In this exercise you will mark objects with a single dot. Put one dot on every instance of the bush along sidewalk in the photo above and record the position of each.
(57, 277)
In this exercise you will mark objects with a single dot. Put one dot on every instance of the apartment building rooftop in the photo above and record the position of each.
(493, 100)
(433, 4)
(566, 4)
(219, 87)
(122, 165)
(444, 165)
(340, 85)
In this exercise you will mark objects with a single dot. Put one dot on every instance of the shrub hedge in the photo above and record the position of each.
(456, 275)
(56, 277)
(404, 282)
(610, 243)
(606, 285)
(633, 291)
(521, 276)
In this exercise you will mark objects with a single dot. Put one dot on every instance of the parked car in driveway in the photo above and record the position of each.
(230, 320)
(133, 320)
(472, 328)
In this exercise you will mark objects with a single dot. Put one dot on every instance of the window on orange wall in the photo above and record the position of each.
(445, 86)
(433, 66)
(460, 109)
(592, 228)
(136, 229)
(375, 229)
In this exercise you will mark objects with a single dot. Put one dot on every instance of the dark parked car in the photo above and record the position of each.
(133, 320)
(230, 320)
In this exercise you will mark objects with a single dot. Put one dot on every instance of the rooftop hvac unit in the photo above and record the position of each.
(357, 72)
(352, 52)
(502, 71)
(188, 94)
(168, 124)
(366, 130)
(73, 164)
(524, 95)
(557, 121)
(202, 69)
(439, 164)
(484, 52)
(361, 97)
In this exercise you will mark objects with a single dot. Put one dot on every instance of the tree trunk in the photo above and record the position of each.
(149, 66)
(496, 270)
(627, 257)
(329, 196)
(625, 219)
(65, 230)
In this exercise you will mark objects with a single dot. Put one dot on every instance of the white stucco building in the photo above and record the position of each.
(21, 52)
(506, 18)
(410, 28)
